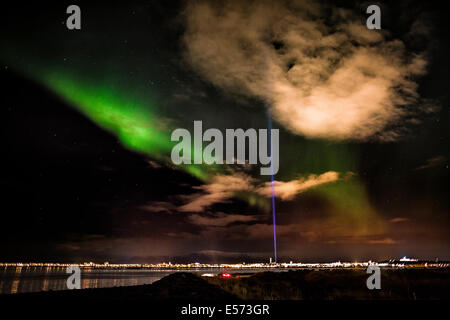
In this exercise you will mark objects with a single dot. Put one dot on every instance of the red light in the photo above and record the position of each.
(226, 275)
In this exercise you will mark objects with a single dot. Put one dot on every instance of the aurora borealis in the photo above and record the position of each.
(89, 115)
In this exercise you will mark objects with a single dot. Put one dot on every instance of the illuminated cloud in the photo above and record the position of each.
(322, 73)
(399, 220)
(220, 219)
(159, 206)
(288, 190)
(219, 190)
(227, 254)
(433, 162)
(223, 187)
(382, 241)
(310, 230)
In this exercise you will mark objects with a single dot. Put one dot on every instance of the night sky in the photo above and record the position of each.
(87, 117)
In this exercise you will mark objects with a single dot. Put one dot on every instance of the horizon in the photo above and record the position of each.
(270, 262)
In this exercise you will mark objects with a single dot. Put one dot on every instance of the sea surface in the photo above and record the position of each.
(34, 279)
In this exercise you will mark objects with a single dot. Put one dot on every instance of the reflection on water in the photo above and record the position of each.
(32, 279)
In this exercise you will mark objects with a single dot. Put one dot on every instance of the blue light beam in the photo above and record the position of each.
(273, 191)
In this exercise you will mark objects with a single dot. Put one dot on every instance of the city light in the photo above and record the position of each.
(401, 263)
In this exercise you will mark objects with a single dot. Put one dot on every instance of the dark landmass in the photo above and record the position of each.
(340, 284)
(331, 284)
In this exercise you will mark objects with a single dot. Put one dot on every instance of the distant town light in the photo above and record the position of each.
(408, 259)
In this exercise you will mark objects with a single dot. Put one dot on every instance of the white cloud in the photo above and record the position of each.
(288, 190)
(223, 187)
(335, 80)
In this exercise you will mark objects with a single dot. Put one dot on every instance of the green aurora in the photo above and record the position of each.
(137, 122)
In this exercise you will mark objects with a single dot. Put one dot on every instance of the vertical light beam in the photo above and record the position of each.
(273, 191)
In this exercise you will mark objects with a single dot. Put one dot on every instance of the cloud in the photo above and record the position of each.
(433, 162)
(288, 190)
(159, 206)
(322, 73)
(219, 190)
(221, 253)
(220, 219)
(382, 241)
(223, 187)
(154, 164)
(309, 230)
(399, 219)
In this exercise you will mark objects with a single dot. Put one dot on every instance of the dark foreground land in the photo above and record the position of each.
(336, 284)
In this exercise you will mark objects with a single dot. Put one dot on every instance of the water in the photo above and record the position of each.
(33, 279)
